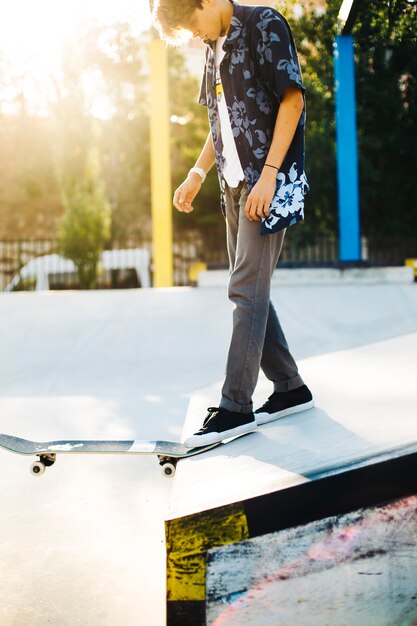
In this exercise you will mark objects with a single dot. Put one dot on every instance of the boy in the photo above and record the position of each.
(254, 93)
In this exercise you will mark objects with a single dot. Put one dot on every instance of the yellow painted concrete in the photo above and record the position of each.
(189, 539)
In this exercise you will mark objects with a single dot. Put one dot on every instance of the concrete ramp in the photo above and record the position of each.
(352, 454)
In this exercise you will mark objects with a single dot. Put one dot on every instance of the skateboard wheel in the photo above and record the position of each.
(37, 468)
(168, 470)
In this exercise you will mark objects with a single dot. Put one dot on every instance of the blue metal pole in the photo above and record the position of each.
(347, 151)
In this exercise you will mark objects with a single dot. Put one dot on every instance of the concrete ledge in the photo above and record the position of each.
(356, 449)
(320, 276)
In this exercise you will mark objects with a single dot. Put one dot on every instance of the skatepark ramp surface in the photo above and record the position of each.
(301, 482)
(85, 544)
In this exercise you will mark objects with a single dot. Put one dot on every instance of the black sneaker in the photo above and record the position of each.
(221, 424)
(283, 403)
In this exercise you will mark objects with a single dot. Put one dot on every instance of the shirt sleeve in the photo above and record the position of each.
(275, 52)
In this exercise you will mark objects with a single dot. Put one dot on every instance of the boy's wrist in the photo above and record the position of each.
(199, 171)
(272, 166)
(269, 173)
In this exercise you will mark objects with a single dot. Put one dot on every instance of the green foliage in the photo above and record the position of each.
(85, 228)
(119, 59)
(314, 34)
(386, 74)
(188, 135)
(114, 117)
(101, 100)
(386, 83)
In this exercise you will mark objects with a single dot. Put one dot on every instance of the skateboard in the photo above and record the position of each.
(167, 452)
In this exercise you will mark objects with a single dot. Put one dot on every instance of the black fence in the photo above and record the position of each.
(27, 265)
(191, 251)
(16, 254)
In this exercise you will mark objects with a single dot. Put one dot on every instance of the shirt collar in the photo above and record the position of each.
(235, 28)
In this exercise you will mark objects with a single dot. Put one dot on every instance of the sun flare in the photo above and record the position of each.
(33, 35)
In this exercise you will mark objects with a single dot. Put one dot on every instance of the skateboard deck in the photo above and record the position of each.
(167, 452)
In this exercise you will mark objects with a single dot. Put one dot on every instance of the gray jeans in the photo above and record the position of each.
(257, 337)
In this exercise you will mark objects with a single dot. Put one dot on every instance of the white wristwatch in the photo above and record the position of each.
(200, 172)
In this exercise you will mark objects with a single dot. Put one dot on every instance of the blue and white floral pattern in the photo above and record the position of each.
(260, 63)
(287, 206)
(240, 121)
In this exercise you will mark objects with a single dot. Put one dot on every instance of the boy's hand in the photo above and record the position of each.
(259, 200)
(186, 193)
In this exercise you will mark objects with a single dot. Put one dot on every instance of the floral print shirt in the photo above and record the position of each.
(259, 65)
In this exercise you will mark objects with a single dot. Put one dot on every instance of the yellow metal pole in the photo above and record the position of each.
(161, 201)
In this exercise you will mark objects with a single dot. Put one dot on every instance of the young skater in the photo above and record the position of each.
(253, 90)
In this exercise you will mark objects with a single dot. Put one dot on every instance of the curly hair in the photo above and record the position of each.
(168, 15)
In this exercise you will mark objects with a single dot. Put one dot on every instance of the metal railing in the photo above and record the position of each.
(208, 248)
(14, 254)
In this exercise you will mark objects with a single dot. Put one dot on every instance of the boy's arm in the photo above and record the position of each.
(188, 190)
(207, 159)
(289, 112)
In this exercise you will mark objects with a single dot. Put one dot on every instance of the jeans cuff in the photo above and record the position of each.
(288, 385)
(229, 405)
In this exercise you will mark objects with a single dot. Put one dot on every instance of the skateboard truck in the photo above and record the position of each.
(45, 460)
(168, 465)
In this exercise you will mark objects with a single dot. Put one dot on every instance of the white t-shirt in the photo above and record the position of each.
(232, 170)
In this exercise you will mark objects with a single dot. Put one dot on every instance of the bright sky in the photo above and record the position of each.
(33, 34)
(38, 28)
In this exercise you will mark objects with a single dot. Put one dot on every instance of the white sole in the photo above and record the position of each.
(196, 441)
(265, 418)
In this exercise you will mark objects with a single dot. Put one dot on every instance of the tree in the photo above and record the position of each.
(85, 228)
(386, 75)
(109, 65)
(116, 60)
(386, 80)
(29, 200)
(189, 131)
(314, 32)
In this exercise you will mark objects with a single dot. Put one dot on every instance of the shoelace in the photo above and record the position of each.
(212, 411)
